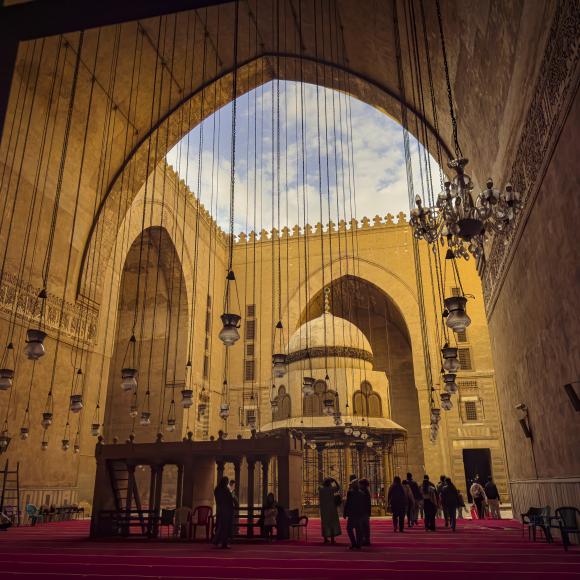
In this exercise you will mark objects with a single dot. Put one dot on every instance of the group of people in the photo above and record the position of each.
(404, 499)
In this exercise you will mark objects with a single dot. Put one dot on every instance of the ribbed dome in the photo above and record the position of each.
(328, 331)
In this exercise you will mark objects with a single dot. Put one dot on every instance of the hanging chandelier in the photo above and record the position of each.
(129, 373)
(457, 217)
(229, 334)
(450, 361)
(446, 403)
(7, 370)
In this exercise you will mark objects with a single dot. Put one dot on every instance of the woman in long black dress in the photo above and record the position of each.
(224, 513)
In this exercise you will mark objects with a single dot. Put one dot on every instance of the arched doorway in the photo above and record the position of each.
(153, 306)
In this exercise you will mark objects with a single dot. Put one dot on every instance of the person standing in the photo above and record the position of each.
(460, 505)
(329, 501)
(224, 513)
(450, 501)
(236, 518)
(479, 498)
(418, 505)
(493, 498)
(366, 521)
(270, 516)
(410, 503)
(397, 501)
(442, 509)
(429, 494)
(354, 511)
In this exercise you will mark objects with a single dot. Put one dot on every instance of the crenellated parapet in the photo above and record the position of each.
(351, 227)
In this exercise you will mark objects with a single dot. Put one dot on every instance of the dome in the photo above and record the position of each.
(331, 332)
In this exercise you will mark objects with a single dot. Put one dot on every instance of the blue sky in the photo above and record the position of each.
(319, 176)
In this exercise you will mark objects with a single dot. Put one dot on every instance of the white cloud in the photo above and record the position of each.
(366, 180)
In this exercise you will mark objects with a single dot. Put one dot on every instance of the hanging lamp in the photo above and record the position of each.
(8, 364)
(129, 373)
(34, 348)
(76, 399)
(450, 384)
(308, 386)
(171, 420)
(133, 407)
(96, 423)
(450, 362)
(446, 403)
(279, 358)
(5, 438)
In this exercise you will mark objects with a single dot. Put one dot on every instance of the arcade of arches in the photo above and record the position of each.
(130, 225)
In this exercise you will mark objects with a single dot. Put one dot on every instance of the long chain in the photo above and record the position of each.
(458, 151)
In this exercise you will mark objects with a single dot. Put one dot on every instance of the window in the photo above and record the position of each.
(283, 409)
(461, 336)
(249, 370)
(206, 345)
(314, 404)
(208, 301)
(367, 403)
(250, 310)
(250, 333)
(248, 416)
(470, 410)
(206, 367)
(250, 349)
(208, 322)
(464, 356)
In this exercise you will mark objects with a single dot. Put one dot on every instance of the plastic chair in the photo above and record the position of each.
(536, 518)
(297, 521)
(202, 517)
(33, 514)
(568, 522)
(167, 519)
(182, 521)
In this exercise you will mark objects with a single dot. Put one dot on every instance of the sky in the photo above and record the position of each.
(338, 158)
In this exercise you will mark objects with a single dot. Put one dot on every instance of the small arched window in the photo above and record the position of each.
(366, 402)
(284, 408)
(313, 405)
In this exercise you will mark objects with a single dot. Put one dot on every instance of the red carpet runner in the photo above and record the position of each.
(490, 550)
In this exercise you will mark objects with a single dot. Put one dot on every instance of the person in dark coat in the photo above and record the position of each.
(442, 509)
(224, 513)
(397, 500)
(450, 501)
(329, 499)
(366, 522)
(430, 501)
(354, 512)
(413, 511)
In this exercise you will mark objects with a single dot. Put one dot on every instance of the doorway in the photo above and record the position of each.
(476, 462)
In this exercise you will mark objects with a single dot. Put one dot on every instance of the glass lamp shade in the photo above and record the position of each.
(328, 407)
(128, 379)
(446, 403)
(457, 319)
(202, 408)
(145, 418)
(44, 445)
(356, 433)
(224, 410)
(274, 404)
(279, 365)
(450, 384)
(307, 386)
(4, 441)
(312, 445)
(65, 444)
(369, 444)
(46, 420)
(348, 429)
(170, 425)
(229, 334)
(76, 448)
(435, 415)
(133, 411)
(364, 435)
(76, 403)
(24, 433)
(95, 429)
(6, 377)
(34, 348)
(186, 398)
(450, 362)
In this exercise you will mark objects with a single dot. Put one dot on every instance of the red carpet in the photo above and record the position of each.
(490, 550)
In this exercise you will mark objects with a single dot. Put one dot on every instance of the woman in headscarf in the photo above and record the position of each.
(329, 501)
(224, 513)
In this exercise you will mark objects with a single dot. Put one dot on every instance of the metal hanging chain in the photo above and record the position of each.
(458, 151)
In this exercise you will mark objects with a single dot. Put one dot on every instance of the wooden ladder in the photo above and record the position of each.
(11, 489)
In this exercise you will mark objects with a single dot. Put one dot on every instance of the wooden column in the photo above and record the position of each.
(130, 486)
(251, 470)
(265, 472)
(179, 491)
(220, 469)
(320, 463)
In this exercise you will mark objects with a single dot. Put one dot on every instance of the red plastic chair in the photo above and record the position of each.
(202, 517)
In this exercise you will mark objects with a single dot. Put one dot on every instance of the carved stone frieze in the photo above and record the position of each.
(330, 351)
(73, 320)
(555, 87)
